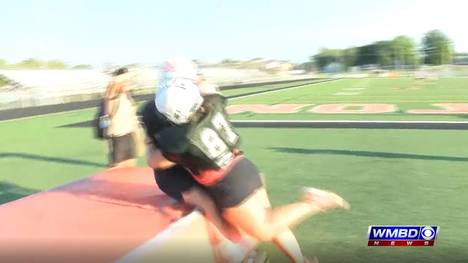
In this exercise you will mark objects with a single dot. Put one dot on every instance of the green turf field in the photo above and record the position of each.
(374, 90)
(36, 154)
(405, 93)
(388, 176)
(256, 88)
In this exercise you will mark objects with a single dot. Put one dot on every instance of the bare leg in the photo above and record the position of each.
(229, 244)
(198, 198)
(256, 217)
(287, 243)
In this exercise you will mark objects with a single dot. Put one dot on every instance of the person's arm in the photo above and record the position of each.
(112, 94)
(155, 159)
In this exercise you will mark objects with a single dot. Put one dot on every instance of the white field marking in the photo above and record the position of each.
(390, 102)
(346, 121)
(359, 86)
(46, 114)
(281, 90)
(141, 251)
(346, 93)
(362, 83)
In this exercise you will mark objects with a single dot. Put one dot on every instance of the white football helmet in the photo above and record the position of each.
(178, 67)
(178, 100)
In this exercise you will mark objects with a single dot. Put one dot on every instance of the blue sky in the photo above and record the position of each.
(120, 32)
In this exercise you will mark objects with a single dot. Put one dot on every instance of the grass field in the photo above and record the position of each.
(256, 88)
(405, 93)
(388, 176)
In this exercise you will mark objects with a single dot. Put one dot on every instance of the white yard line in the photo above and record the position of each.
(45, 114)
(280, 90)
(355, 89)
(345, 121)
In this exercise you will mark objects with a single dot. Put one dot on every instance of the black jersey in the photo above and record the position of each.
(207, 142)
(153, 121)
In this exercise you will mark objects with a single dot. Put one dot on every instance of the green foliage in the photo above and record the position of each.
(385, 53)
(327, 56)
(82, 66)
(55, 64)
(404, 50)
(3, 63)
(350, 56)
(396, 53)
(367, 54)
(229, 61)
(33, 63)
(399, 51)
(30, 63)
(437, 48)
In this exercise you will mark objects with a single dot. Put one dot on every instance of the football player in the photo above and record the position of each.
(197, 136)
(176, 181)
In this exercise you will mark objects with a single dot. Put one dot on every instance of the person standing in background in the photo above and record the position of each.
(123, 121)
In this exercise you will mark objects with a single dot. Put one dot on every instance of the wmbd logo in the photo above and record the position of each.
(402, 235)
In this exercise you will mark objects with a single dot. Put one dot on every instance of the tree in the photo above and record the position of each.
(387, 54)
(82, 66)
(437, 48)
(229, 61)
(56, 64)
(404, 51)
(368, 54)
(30, 63)
(350, 56)
(327, 56)
(384, 52)
(3, 63)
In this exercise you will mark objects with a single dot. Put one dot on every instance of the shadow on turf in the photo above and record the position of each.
(10, 192)
(370, 154)
(83, 124)
(49, 159)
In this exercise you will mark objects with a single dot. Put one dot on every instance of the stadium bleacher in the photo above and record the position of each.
(27, 88)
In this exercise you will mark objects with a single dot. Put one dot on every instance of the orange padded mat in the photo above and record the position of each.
(103, 218)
